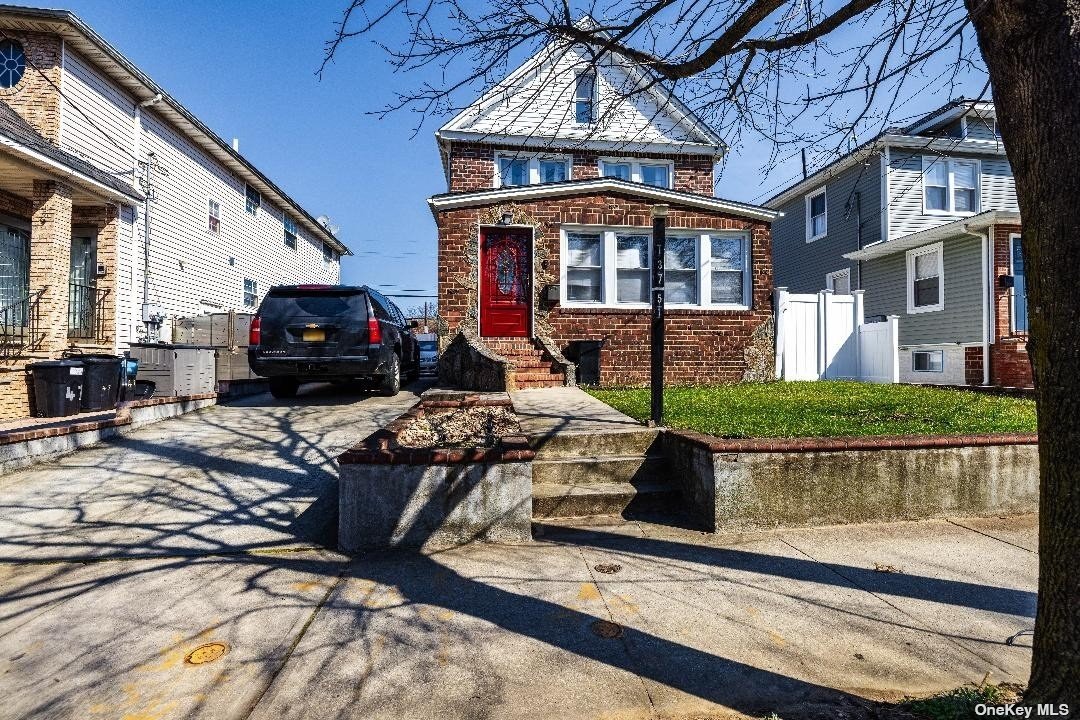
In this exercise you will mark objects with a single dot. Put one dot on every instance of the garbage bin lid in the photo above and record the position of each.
(54, 363)
(96, 358)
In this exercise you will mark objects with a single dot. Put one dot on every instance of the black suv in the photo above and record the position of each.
(305, 333)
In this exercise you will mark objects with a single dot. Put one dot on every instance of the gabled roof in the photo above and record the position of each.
(107, 59)
(532, 107)
(19, 137)
(525, 193)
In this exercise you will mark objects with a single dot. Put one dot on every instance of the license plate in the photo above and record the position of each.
(314, 336)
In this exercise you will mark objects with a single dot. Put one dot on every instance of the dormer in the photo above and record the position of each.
(961, 120)
(569, 114)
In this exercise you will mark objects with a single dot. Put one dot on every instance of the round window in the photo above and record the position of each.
(12, 63)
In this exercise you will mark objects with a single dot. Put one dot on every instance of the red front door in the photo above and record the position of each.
(505, 284)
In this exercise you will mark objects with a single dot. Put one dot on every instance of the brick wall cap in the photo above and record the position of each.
(838, 444)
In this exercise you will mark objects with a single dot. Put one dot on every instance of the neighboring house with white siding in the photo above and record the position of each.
(119, 209)
(924, 220)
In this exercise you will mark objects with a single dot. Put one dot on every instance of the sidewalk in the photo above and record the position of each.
(805, 622)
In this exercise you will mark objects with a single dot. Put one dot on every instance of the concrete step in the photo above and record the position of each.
(534, 384)
(554, 500)
(606, 443)
(595, 470)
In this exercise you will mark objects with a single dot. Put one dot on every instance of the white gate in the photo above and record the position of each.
(823, 337)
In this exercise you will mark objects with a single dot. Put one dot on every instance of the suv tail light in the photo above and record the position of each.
(255, 332)
(374, 331)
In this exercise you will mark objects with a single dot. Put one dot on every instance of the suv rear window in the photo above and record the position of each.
(429, 345)
(315, 305)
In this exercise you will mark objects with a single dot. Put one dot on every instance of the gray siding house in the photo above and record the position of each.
(924, 220)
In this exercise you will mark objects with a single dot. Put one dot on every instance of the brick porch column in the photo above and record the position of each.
(50, 262)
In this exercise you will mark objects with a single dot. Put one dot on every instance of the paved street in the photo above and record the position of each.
(119, 561)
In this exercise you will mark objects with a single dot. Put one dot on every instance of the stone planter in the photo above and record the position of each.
(393, 496)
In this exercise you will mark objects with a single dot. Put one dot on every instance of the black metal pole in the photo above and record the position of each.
(656, 336)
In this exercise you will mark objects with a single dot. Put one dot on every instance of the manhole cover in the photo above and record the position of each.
(206, 653)
(607, 629)
(607, 568)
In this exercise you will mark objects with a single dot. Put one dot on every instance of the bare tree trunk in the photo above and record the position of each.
(1032, 50)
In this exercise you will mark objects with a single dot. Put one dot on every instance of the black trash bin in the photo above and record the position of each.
(57, 387)
(129, 369)
(101, 381)
(586, 353)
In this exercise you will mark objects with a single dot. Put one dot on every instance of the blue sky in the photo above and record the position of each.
(248, 70)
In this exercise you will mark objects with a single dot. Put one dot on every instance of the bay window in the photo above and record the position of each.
(950, 186)
(613, 268)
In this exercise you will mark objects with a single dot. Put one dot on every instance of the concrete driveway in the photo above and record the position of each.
(203, 535)
(257, 474)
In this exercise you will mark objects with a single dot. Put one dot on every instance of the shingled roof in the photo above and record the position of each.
(22, 134)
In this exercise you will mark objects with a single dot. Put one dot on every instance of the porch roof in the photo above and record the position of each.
(525, 193)
(20, 140)
(964, 227)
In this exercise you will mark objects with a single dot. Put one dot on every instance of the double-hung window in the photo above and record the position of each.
(552, 170)
(620, 170)
(585, 267)
(214, 216)
(513, 171)
(817, 221)
(290, 233)
(1019, 290)
(728, 270)
(681, 271)
(328, 253)
(251, 294)
(632, 268)
(950, 186)
(516, 170)
(585, 98)
(252, 200)
(657, 173)
(925, 279)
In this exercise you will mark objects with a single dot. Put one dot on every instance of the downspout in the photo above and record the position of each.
(986, 290)
(858, 239)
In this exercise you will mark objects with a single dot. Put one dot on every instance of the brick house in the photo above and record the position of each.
(81, 130)
(544, 234)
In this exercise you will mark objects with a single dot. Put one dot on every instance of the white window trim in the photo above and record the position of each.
(1013, 237)
(911, 255)
(285, 218)
(257, 207)
(635, 168)
(936, 372)
(609, 267)
(593, 99)
(810, 237)
(830, 279)
(534, 166)
(212, 199)
(950, 186)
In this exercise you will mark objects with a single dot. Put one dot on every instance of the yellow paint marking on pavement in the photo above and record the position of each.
(588, 591)
(777, 639)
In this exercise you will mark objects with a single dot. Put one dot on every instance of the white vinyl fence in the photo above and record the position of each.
(824, 337)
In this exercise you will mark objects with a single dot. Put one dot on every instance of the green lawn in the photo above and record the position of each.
(827, 409)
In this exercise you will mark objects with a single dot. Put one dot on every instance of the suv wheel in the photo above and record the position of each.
(391, 382)
(284, 387)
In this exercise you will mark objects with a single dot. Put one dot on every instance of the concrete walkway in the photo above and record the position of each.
(804, 622)
(546, 411)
